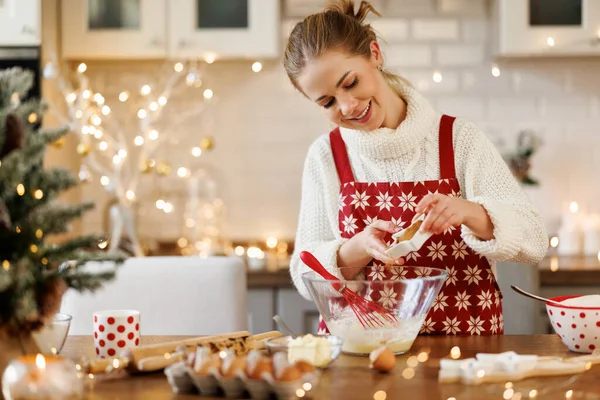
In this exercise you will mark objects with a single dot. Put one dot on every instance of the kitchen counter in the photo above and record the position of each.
(280, 278)
(570, 270)
(350, 378)
(554, 271)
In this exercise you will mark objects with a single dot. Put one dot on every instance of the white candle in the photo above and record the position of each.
(39, 377)
(256, 258)
(570, 236)
(591, 235)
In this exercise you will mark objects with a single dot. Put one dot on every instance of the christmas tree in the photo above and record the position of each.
(34, 274)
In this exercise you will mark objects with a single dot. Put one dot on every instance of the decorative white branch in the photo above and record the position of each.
(106, 148)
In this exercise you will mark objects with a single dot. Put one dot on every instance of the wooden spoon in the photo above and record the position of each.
(536, 297)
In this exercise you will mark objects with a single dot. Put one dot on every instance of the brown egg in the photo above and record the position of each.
(304, 367)
(382, 359)
(237, 364)
(208, 365)
(289, 374)
(264, 364)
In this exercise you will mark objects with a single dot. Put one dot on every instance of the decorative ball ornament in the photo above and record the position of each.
(83, 149)
(147, 166)
(163, 168)
(207, 143)
(59, 143)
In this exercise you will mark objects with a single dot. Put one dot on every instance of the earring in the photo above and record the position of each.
(380, 68)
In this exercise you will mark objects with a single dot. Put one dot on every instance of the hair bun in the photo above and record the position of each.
(346, 7)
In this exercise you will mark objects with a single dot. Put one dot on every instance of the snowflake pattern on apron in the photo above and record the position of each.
(470, 301)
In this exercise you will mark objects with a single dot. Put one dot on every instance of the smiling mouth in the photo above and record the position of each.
(362, 115)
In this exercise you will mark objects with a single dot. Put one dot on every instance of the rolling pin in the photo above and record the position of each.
(152, 357)
(241, 338)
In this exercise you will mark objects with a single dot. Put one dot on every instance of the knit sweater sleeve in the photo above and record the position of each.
(317, 224)
(519, 231)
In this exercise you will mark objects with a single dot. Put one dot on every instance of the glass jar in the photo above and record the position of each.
(41, 377)
(51, 338)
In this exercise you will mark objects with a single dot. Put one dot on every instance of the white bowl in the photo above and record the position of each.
(578, 327)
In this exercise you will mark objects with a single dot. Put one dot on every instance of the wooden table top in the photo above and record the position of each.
(350, 378)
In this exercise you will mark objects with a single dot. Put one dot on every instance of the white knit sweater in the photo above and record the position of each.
(410, 153)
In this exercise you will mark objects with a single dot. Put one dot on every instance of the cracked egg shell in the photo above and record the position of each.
(382, 359)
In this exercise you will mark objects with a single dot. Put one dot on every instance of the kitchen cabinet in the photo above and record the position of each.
(161, 29)
(547, 27)
(261, 309)
(224, 28)
(114, 29)
(20, 23)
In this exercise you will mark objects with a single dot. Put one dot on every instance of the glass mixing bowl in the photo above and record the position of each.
(408, 298)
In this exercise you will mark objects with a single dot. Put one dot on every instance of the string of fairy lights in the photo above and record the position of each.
(121, 156)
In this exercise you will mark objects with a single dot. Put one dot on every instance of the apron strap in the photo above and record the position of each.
(340, 156)
(447, 170)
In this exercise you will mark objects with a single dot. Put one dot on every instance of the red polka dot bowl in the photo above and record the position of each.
(578, 327)
(116, 331)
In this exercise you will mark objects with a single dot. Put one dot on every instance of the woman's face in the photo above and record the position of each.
(349, 89)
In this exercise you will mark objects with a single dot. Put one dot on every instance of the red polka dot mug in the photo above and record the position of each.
(116, 331)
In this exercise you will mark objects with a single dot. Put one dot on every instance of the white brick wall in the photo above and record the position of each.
(455, 55)
(263, 127)
(435, 29)
(408, 55)
(462, 7)
(391, 29)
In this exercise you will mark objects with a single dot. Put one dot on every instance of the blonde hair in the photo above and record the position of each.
(339, 26)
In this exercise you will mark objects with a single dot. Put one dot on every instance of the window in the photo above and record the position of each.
(555, 12)
(113, 14)
(222, 14)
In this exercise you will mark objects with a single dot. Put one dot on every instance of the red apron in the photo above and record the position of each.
(469, 302)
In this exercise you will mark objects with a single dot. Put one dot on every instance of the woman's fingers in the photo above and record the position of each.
(426, 202)
(440, 221)
(434, 213)
(385, 258)
(386, 226)
(377, 244)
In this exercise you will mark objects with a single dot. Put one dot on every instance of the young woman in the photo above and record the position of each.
(392, 157)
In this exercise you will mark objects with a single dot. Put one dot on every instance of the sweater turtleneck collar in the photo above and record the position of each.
(383, 143)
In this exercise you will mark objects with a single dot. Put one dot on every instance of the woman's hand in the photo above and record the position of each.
(443, 211)
(365, 246)
(372, 241)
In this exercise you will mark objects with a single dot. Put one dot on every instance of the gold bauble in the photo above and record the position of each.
(59, 143)
(83, 149)
(147, 166)
(163, 168)
(207, 143)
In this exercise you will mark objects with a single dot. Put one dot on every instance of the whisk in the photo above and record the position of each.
(368, 313)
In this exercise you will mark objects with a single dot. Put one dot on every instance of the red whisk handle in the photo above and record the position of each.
(314, 264)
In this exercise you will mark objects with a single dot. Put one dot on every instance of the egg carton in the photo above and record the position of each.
(184, 379)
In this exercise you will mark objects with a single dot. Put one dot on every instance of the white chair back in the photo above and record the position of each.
(175, 295)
